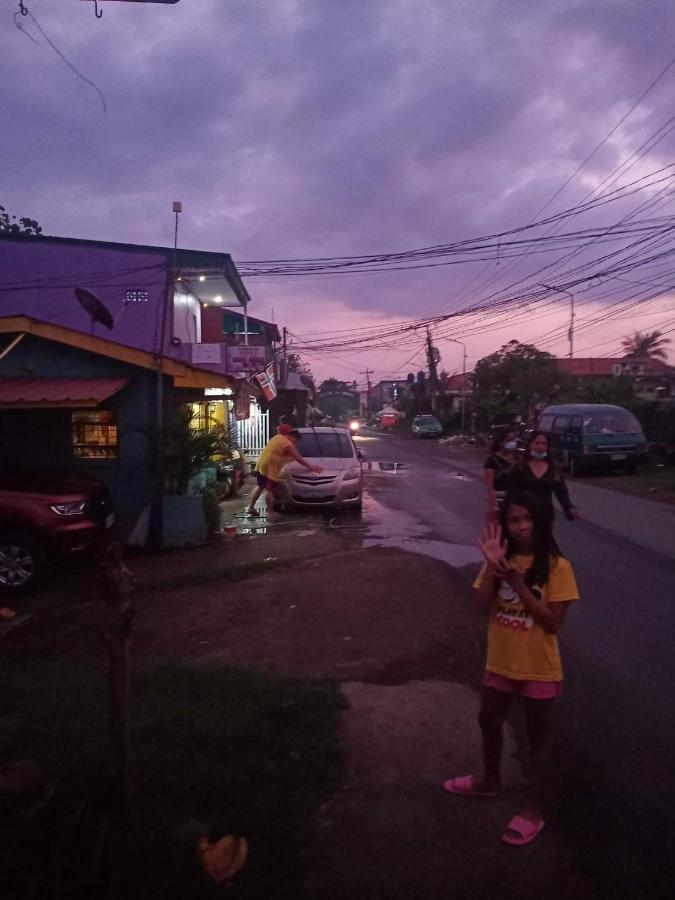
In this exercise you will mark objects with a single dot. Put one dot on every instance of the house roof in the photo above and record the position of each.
(587, 366)
(183, 375)
(57, 392)
(605, 366)
(205, 262)
(460, 382)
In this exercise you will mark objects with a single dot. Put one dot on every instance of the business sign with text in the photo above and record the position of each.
(245, 359)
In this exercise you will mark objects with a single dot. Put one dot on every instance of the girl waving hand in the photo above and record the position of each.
(525, 587)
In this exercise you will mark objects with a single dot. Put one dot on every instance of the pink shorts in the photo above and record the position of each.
(535, 690)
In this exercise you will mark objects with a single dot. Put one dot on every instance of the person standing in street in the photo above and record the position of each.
(497, 468)
(525, 587)
(278, 451)
(538, 474)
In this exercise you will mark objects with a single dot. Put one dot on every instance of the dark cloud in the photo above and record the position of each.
(312, 127)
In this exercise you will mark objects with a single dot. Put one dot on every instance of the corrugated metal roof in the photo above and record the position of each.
(17, 392)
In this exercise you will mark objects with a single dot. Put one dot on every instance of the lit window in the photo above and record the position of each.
(93, 434)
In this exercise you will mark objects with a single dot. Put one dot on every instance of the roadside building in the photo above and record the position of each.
(116, 329)
(652, 379)
(83, 403)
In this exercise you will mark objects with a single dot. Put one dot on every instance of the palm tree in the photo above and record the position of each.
(645, 344)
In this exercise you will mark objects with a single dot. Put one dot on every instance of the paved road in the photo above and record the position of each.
(615, 727)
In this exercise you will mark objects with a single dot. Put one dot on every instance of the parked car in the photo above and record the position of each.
(594, 435)
(47, 515)
(426, 426)
(340, 484)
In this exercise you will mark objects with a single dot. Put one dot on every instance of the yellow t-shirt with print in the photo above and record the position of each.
(518, 647)
(274, 457)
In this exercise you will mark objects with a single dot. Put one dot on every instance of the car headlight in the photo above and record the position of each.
(76, 508)
(354, 426)
(352, 474)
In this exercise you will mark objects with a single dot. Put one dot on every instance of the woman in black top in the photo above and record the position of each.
(497, 468)
(538, 474)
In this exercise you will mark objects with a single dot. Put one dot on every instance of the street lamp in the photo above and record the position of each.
(570, 332)
(463, 345)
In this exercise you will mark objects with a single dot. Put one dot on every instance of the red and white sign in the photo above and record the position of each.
(245, 359)
(267, 383)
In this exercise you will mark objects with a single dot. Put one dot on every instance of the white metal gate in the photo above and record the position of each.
(254, 433)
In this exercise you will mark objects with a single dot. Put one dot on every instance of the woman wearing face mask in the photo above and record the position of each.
(497, 468)
(538, 474)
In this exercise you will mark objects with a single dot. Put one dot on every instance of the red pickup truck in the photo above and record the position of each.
(47, 515)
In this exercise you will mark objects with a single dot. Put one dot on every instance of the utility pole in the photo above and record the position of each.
(462, 394)
(368, 373)
(570, 330)
(284, 358)
(433, 377)
(431, 356)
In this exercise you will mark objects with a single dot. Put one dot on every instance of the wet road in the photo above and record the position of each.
(615, 727)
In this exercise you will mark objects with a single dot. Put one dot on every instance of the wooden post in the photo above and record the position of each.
(117, 582)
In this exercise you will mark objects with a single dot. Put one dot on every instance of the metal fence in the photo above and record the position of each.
(253, 434)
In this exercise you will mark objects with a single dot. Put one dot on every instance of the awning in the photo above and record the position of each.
(31, 393)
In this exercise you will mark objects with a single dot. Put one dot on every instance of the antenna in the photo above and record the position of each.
(95, 309)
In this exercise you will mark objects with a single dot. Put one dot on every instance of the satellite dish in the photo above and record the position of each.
(95, 309)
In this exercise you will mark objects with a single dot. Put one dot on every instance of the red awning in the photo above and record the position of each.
(25, 393)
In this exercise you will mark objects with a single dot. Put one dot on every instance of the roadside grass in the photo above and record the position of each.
(652, 482)
(216, 751)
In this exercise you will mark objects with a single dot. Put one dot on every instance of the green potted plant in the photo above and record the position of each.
(188, 476)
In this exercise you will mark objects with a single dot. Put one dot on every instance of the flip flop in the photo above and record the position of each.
(525, 830)
(464, 786)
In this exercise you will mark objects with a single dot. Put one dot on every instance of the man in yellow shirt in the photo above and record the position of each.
(277, 452)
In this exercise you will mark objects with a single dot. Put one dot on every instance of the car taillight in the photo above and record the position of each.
(75, 508)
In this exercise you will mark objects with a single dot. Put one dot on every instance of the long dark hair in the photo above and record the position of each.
(543, 545)
(549, 457)
(500, 437)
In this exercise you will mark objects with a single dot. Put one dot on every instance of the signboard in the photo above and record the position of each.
(245, 359)
(207, 353)
(218, 392)
(242, 404)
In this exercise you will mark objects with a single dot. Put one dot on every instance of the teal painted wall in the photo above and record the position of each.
(41, 437)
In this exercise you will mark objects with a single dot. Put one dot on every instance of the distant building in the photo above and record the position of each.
(652, 379)
(385, 393)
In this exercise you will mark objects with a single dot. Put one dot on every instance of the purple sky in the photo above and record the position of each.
(299, 128)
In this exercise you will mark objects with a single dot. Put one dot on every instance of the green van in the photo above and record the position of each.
(593, 435)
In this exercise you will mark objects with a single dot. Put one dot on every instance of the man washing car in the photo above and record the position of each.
(278, 451)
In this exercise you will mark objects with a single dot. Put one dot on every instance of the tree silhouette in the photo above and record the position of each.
(650, 344)
(10, 224)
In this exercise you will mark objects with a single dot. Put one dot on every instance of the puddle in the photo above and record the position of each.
(390, 466)
(387, 527)
(455, 555)
(374, 467)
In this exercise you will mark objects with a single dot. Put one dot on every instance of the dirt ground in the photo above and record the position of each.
(317, 607)
(399, 632)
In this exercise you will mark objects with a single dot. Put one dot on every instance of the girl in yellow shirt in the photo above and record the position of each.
(525, 588)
